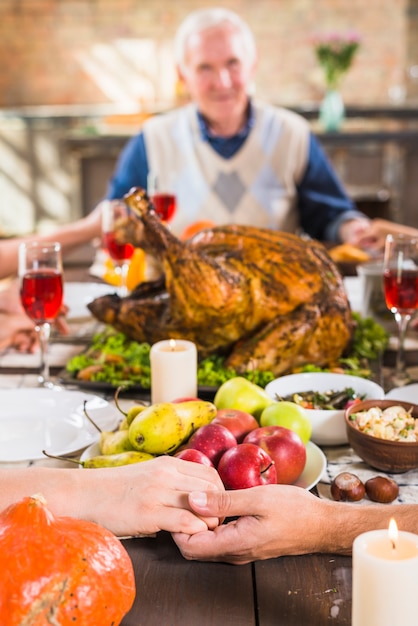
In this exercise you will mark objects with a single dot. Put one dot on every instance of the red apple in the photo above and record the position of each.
(196, 456)
(213, 440)
(185, 399)
(246, 465)
(256, 435)
(240, 423)
(286, 449)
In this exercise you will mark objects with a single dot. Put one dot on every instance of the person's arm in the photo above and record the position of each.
(69, 236)
(279, 520)
(322, 201)
(131, 169)
(142, 498)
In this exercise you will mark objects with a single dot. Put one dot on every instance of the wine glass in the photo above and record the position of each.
(41, 292)
(114, 214)
(400, 279)
(163, 198)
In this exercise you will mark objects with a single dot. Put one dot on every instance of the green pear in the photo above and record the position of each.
(115, 460)
(240, 393)
(123, 424)
(133, 412)
(106, 460)
(114, 442)
(197, 412)
(161, 428)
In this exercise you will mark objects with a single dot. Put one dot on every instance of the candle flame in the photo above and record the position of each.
(172, 344)
(393, 532)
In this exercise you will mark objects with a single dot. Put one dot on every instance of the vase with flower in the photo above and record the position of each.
(335, 53)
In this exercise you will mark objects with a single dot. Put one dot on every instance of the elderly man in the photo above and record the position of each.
(229, 158)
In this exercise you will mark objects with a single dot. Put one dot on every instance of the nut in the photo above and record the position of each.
(347, 487)
(382, 489)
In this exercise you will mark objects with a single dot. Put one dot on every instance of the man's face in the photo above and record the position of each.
(217, 74)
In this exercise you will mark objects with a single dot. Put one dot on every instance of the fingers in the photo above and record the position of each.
(24, 340)
(230, 543)
(191, 471)
(175, 519)
(225, 503)
(61, 325)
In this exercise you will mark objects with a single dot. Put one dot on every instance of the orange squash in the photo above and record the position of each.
(60, 570)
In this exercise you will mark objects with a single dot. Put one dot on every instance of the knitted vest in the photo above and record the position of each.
(256, 186)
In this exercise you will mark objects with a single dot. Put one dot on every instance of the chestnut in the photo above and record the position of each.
(347, 487)
(382, 489)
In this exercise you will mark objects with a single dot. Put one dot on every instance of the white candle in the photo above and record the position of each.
(173, 370)
(385, 578)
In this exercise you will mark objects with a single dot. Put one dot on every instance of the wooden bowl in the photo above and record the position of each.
(393, 457)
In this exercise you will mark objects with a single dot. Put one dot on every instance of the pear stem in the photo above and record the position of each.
(90, 419)
(62, 458)
(116, 400)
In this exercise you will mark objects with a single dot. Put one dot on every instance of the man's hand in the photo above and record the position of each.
(275, 520)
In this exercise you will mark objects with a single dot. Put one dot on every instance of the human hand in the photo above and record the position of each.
(276, 520)
(147, 497)
(362, 233)
(18, 331)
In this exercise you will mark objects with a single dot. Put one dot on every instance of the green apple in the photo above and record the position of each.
(289, 415)
(240, 393)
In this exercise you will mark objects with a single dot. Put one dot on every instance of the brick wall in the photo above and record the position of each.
(96, 51)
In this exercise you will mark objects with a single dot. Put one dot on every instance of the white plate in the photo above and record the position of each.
(316, 463)
(315, 466)
(33, 420)
(78, 295)
(409, 393)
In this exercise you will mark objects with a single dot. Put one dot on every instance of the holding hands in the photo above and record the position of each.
(277, 520)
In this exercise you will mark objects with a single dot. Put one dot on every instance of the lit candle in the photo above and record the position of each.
(385, 578)
(173, 370)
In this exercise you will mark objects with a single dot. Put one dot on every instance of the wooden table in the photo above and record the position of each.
(290, 591)
(309, 590)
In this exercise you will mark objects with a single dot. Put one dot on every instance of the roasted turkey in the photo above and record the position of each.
(265, 299)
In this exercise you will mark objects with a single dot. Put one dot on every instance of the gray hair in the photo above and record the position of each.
(202, 19)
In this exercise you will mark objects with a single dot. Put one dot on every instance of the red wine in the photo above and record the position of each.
(165, 205)
(41, 295)
(401, 292)
(117, 251)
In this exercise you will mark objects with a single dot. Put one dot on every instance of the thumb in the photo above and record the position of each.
(222, 503)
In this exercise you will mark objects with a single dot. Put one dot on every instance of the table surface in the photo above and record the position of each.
(287, 591)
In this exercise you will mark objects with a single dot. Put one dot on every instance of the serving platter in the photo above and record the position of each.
(315, 466)
(205, 392)
(37, 419)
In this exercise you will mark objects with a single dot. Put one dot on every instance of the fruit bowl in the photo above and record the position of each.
(394, 457)
(328, 426)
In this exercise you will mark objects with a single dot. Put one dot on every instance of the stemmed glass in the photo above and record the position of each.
(41, 292)
(115, 213)
(163, 199)
(400, 279)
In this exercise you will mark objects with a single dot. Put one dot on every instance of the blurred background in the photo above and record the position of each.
(78, 77)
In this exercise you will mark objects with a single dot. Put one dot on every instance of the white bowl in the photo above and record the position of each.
(328, 426)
